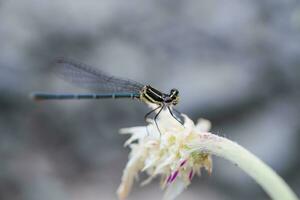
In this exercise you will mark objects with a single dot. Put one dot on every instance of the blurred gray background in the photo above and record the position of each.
(236, 63)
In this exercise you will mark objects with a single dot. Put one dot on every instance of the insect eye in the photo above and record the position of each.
(174, 92)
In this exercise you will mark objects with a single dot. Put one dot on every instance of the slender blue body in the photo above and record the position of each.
(47, 96)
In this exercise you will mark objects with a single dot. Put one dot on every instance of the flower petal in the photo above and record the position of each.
(174, 189)
(203, 125)
(129, 173)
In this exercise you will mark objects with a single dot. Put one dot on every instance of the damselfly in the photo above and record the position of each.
(107, 86)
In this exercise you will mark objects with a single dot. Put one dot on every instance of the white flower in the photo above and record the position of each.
(166, 154)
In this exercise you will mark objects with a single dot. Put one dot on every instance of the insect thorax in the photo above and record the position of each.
(151, 95)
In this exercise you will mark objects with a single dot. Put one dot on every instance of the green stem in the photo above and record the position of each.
(267, 178)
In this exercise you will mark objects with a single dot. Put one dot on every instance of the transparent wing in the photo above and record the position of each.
(85, 76)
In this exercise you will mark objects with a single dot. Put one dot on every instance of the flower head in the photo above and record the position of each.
(165, 153)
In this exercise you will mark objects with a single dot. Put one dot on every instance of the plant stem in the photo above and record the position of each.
(267, 178)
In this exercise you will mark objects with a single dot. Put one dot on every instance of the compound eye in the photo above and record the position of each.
(174, 92)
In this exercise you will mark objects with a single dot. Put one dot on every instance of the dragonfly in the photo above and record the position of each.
(105, 86)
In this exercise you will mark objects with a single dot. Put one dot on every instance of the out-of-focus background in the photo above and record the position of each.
(236, 63)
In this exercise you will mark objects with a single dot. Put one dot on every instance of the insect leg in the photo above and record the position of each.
(146, 116)
(175, 117)
(162, 106)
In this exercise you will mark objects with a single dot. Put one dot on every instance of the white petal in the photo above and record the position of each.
(147, 181)
(167, 121)
(133, 130)
(174, 189)
(150, 162)
(129, 173)
(166, 162)
(137, 133)
(203, 125)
